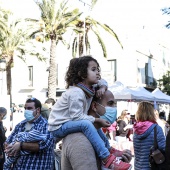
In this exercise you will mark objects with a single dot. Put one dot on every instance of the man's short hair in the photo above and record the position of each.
(50, 100)
(3, 110)
(37, 103)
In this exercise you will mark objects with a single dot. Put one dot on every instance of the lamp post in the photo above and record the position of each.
(2, 69)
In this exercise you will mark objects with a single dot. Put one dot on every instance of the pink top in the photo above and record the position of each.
(112, 127)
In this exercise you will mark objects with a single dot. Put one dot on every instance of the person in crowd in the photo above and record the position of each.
(70, 155)
(111, 132)
(30, 136)
(123, 127)
(69, 114)
(161, 122)
(40, 155)
(46, 107)
(3, 113)
(167, 150)
(162, 115)
(143, 138)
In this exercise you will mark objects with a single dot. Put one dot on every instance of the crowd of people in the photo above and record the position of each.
(85, 119)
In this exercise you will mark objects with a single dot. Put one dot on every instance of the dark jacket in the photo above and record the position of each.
(2, 140)
(167, 150)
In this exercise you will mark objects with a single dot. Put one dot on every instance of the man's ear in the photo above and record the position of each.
(38, 110)
(93, 106)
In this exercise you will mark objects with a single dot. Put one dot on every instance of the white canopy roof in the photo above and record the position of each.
(144, 93)
(139, 93)
(123, 93)
(160, 96)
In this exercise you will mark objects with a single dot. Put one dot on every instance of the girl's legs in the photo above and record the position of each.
(104, 138)
(88, 129)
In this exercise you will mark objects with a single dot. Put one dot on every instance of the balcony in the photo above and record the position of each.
(150, 81)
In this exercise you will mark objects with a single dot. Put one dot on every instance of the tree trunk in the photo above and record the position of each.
(9, 87)
(80, 43)
(52, 78)
(9, 81)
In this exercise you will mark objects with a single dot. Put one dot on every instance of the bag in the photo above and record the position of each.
(156, 157)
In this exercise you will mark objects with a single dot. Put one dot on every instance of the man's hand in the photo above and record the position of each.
(99, 123)
(12, 150)
(127, 155)
(101, 91)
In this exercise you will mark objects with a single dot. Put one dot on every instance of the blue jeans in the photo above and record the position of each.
(98, 140)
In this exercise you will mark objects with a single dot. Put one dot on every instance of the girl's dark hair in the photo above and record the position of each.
(77, 70)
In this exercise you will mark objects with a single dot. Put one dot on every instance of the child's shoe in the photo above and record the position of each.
(114, 163)
(116, 152)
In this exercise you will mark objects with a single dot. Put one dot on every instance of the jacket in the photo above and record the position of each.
(142, 144)
(167, 150)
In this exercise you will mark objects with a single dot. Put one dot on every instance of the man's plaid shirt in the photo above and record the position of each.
(42, 160)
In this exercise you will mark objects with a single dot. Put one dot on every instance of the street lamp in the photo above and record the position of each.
(2, 69)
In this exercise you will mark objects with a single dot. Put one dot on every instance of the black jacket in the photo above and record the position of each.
(2, 138)
(167, 150)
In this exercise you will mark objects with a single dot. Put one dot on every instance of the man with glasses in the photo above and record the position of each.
(37, 154)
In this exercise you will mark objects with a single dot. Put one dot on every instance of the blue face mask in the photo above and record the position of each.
(28, 114)
(4, 117)
(110, 115)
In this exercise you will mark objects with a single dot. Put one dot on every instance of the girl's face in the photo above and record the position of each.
(93, 74)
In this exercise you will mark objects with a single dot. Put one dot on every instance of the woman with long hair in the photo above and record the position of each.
(143, 137)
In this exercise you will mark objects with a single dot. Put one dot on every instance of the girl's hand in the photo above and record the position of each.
(101, 91)
(101, 123)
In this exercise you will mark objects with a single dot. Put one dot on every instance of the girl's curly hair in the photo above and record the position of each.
(77, 70)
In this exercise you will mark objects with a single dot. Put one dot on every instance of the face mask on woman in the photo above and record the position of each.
(28, 114)
(110, 115)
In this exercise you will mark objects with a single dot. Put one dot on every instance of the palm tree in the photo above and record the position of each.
(95, 27)
(14, 39)
(57, 19)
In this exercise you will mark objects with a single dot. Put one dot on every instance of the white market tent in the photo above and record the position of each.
(123, 93)
(160, 96)
(144, 93)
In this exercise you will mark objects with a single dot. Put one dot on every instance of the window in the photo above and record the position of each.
(113, 68)
(30, 69)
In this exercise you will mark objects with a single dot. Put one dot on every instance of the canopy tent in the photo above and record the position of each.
(123, 93)
(145, 93)
(160, 96)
